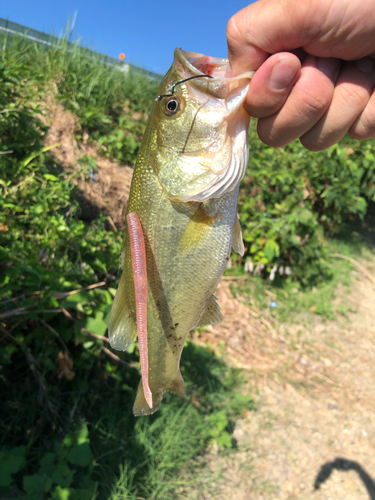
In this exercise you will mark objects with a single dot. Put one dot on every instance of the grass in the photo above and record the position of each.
(124, 457)
(76, 75)
(290, 295)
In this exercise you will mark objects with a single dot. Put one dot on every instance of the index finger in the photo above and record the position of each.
(242, 55)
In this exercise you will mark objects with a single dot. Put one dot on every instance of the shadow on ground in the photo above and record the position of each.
(343, 464)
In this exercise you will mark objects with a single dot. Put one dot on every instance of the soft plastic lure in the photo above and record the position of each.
(138, 253)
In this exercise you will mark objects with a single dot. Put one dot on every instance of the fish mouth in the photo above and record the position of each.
(198, 64)
(190, 64)
(211, 157)
(227, 89)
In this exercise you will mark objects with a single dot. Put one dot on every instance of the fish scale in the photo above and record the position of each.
(188, 241)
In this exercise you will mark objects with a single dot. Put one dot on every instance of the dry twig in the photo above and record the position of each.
(112, 224)
(102, 338)
(14, 312)
(116, 358)
(52, 330)
(62, 295)
(94, 335)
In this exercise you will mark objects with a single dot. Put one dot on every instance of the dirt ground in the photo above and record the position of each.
(107, 191)
(313, 434)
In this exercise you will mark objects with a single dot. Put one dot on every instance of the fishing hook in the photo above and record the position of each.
(160, 97)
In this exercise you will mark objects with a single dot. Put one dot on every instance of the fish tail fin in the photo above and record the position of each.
(141, 407)
(178, 386)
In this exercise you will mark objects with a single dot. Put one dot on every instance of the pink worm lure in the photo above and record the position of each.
(138, 253)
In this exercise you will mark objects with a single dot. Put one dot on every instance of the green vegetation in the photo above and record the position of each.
(288, 296)
(107, 453)
(67, 430)
(291, 196)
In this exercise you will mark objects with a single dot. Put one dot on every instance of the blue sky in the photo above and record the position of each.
(146, 31)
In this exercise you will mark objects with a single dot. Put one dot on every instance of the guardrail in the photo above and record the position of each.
(14, 29)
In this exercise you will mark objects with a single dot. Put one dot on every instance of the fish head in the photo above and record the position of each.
(200, 128)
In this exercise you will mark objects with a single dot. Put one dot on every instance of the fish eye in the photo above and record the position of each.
(172, 105)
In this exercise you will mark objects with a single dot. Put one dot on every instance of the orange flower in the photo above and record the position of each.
(122, 56)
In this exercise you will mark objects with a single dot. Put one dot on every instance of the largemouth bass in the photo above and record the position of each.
(184, 191)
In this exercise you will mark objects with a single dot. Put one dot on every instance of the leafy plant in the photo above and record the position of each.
(290, 196)
(66, 471)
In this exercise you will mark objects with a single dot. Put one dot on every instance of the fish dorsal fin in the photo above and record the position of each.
(212, 315)
(237, 241)
(122, 329)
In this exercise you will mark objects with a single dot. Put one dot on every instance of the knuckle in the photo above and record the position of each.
(363, 127)
(316, 101)
(270, 135)
(353, 95)
(362, 130)
(232, 29)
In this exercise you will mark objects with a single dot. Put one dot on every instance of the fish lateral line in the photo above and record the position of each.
(139, 265)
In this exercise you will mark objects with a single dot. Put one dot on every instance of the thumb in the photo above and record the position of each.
(344, 30)
(264, 27)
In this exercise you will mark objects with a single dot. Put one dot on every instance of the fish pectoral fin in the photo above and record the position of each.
(122, 329)
(237, 241)
(197, 230)
(141, 407)
(212, 315)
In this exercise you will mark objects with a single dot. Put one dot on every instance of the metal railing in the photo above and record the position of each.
(14, 29)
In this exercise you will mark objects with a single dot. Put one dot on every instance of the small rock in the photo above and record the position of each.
(332, 406)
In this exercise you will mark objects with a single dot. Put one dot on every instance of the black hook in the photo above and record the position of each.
(160, 97)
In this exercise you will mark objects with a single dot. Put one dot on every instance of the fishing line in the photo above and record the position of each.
(160, 97)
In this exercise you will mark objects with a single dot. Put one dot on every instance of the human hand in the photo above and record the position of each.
(318, 83)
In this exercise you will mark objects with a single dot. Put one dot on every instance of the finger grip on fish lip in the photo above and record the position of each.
(138, 253)
(182, 205)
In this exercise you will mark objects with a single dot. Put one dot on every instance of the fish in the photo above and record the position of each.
(182, 216)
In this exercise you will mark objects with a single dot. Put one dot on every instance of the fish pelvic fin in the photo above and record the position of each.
(237, 240)
(212, 314)
(122, 328)
(141, 407)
